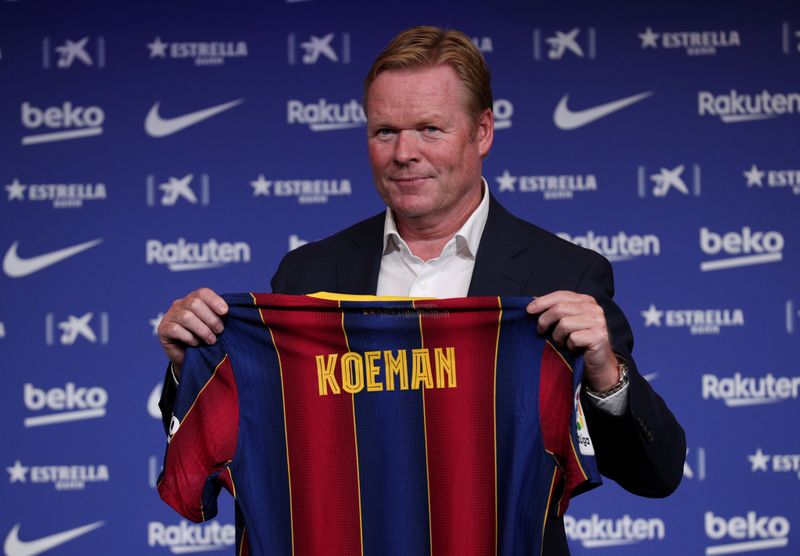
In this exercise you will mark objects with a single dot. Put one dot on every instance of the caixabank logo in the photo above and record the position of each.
(740, 390)
(566, 43)
(734, 249)
(186, 538)
(62, 405)
(305, 191)
(748, 533)
(90, 327)
(621, 246)
(550, 187)
(674, 181)
(83, 52)
(329, 47)
(190, 189)
(604, 532)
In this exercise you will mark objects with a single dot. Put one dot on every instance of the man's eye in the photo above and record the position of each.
(384, 132)
(431, 129)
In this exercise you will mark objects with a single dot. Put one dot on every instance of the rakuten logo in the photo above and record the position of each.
(75, 122)
(739, 390)
(185, 538)
(184, 255)
(752, 533)
(746, 248)
(68, 404)
(325, 116)
(595, 532)
(619, 247)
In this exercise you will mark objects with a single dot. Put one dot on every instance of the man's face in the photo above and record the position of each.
(425, 148)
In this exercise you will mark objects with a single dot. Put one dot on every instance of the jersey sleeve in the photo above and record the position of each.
(564, 429)
(202, 434)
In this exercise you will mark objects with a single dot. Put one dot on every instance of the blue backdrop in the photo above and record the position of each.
(150, 148)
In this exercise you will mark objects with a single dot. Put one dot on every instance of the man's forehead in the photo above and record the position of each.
(416, 86)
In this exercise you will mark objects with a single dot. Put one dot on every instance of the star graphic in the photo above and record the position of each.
(652, 316)
(754, 176)
(649, 38)
(506, 181)
(155, 322)
(16, 190)
(261, 186)
(17, 472)
(158, 48)
(758, 461)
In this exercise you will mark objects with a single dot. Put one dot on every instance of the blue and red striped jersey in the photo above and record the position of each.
(379, 427)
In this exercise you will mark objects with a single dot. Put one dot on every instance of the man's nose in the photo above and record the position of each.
(406, 147)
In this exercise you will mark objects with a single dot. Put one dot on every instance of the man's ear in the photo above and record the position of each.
(484, 132)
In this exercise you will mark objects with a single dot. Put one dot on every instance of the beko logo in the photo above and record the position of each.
(747, 248)
(73, 122)
(750, 532)
(67, 404)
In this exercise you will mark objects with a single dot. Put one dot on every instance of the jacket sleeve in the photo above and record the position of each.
(644, 448)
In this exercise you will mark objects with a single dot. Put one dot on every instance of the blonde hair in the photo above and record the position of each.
(423, 46)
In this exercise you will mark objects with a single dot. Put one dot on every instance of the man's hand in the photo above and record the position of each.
(190, 321)
(576, 321)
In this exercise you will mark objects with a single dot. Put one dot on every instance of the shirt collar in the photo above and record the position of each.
(468, 237)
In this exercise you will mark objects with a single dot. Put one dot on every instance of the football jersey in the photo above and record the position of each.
(380, 426)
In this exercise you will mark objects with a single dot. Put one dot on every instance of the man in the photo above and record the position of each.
(430, 124)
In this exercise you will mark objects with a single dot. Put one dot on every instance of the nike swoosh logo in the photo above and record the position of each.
(15, 547)
(156, 126)
(16, 267)
(565, 118)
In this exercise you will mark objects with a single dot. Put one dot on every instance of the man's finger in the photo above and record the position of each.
(214, 301)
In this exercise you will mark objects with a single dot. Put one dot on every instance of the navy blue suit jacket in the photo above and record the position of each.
(643, 450)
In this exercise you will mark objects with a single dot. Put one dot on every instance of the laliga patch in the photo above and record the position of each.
(174, 425)
(584, 440)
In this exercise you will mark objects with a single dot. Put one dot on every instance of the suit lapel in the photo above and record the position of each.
(499, 267)
(357, 269)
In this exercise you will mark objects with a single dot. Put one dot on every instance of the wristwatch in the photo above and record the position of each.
(623, 382)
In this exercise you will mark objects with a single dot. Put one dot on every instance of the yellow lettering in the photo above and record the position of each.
(445, 364)
(372, 370)
(352, 372)
(325, 374)
(421, 368)
(398, 366)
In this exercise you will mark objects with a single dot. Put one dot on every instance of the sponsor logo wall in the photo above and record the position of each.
(145, 157)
